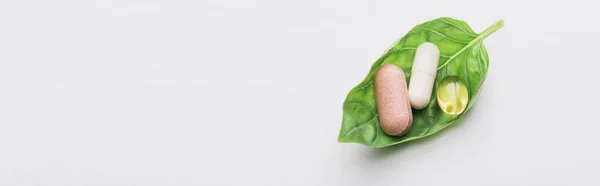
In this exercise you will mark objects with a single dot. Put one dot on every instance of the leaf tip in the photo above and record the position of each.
(341, 138)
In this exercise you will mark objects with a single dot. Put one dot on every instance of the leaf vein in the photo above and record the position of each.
(369, 83)
(467, 70)
(478, 39)
(445, 36)
(359, 125)
(376, 135)
(363, 105)
(400, 49)
(485, 60)
(466, 32)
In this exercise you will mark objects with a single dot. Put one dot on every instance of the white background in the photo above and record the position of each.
(250, 92)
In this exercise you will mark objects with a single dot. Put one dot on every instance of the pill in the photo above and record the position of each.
(452, 95)
(393, 103)
(423, 74)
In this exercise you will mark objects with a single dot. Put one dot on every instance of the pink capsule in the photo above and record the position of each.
(393, 102)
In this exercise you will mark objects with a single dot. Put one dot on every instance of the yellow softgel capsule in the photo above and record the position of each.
(452, 95)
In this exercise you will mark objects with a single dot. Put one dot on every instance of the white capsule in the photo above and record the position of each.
(423, 74)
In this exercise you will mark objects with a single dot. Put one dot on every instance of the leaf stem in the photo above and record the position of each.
(499, 24)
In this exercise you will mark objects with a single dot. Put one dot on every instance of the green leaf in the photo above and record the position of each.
(462, 54)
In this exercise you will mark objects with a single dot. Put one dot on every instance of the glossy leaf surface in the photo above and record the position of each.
(462, 54)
